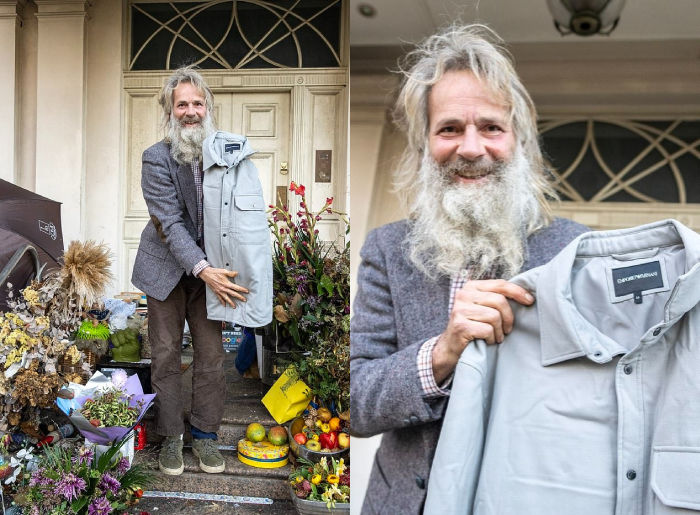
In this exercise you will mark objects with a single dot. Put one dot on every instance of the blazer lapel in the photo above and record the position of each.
(188, 190)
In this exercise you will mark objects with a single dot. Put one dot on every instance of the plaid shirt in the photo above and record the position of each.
(197, 172)
(431, 390)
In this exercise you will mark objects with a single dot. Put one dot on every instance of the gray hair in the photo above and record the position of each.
(478, 49)
(184, 74)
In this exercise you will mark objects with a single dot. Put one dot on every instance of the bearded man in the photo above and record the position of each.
(172, 269)
(476, 190)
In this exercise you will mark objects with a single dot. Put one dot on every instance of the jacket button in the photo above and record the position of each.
(226, 264)
(225, 203)
(627, 369)
(631, 475)
(420, 482)
(224, 235)
(657, 331)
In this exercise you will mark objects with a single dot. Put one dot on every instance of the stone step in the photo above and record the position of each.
(238, 479)
(237, 417)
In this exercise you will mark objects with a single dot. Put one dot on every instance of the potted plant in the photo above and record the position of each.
(312, 300)
(322, 487)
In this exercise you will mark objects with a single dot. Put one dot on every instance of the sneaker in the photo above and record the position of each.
(207, 450)
(170, 457)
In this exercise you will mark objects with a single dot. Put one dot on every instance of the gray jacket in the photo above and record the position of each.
(396, 309)
(168, 246)
(236, 235)
(590, 406)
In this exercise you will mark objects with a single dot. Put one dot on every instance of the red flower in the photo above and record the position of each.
(293, 186)
(301, 190)
(329, 201)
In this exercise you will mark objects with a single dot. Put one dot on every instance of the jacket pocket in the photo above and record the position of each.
(675, 478)
(250, 219)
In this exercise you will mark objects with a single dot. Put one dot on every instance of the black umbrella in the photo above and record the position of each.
(31, 236)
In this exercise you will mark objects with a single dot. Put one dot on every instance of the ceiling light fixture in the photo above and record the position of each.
(585, 17)
(367, 10)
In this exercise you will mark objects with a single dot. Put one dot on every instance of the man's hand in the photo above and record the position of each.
(480, 311)
(219, 280)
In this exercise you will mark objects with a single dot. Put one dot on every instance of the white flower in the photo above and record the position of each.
(119, 378)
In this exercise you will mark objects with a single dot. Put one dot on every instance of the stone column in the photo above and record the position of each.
(61, 98)
(10, 24)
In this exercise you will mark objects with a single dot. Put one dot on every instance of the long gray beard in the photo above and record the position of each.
(186, 143)
(480, 227)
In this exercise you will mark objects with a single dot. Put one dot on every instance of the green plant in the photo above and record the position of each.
(312, 298)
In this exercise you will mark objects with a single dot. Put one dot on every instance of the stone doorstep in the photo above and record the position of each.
(237, 479)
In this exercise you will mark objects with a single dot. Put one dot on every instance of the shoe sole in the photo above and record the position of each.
(171, 472)
(206, 468)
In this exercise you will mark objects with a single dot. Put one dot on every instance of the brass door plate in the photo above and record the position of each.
(281, 197)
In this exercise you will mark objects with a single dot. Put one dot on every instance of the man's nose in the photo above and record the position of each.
(470, 145)
(191, 111)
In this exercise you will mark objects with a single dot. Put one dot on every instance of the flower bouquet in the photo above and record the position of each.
(105, 410)
(323, 482)
(312, 299)
(69, 478)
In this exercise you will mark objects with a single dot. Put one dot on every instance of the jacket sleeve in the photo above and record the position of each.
(166, 211)
(384, 386)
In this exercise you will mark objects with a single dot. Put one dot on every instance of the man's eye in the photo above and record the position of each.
(494, 129)
(449, 129)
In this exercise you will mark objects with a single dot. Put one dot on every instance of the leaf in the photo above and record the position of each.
(325, 284)
(281, 314)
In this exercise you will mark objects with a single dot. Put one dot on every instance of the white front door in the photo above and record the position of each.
(263, 118)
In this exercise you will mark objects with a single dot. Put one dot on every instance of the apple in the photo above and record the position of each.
(313, 445)
(300, 438)
(343, 440)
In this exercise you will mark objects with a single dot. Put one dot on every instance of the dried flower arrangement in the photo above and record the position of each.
(36, 333)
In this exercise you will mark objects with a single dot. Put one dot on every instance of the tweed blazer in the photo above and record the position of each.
(168, 246)
(396, 309)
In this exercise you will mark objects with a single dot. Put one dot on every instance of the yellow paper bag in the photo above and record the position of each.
(287, 398)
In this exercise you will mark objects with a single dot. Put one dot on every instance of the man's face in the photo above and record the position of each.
(189, 106)
(468, 125)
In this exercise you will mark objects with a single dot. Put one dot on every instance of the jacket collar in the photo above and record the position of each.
(565, 333)
(215, 145)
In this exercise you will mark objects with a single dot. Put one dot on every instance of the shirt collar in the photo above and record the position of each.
(565, 333)
(214, 146)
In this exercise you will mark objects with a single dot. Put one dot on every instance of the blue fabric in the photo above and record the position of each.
(197, 433)
(247, 351)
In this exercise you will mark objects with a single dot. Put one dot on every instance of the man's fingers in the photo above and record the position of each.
(481, 322)
(239, 288)
(505, 288)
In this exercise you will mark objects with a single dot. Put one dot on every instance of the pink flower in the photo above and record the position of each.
(329, 201)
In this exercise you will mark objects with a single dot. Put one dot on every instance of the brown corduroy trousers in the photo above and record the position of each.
(166, 322)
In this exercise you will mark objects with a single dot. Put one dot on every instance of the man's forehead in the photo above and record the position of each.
(186, 87)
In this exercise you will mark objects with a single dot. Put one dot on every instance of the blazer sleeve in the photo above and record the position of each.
(384, 386)
(166, 211)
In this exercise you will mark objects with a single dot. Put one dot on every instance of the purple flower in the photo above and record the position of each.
(122, 467)
(108, 483)
(70, 486)
(38, 479)
(100, 506)
(85, 455)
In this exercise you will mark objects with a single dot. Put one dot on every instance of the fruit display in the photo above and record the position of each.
(319, 432)
(264, 449)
